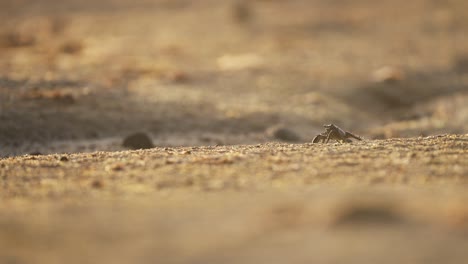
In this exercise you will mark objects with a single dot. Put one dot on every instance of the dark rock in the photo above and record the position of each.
(63, 158)
(461, 64)
(242, 12)
(138, 141)
(178, 77)
(388, 74)
(72, 47)
(117, 167)
(97, 184)
(368, 214)
(283, 134)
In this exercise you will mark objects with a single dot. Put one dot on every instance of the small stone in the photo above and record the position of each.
(388, 74)
(72, 47)
(97, 184)
(283, 134)
(62, 97)
(117, 167)
(138, 141)
(179, 77)
(461, 64)
(63, 158)
(242, 12)
(368, 214)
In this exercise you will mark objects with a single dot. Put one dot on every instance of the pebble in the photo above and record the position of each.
(388, 74)
(283, 134)
(138, 140)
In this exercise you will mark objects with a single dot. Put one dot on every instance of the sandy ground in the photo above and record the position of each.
(211, 83)
(78, 76)
(386, 201)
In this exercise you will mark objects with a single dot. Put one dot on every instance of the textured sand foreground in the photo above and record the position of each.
(376, 201)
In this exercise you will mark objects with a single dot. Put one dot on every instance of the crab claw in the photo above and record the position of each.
(318, 138)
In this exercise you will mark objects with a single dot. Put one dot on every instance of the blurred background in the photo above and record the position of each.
(81, 75)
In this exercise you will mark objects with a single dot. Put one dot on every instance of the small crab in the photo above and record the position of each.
(336, 133)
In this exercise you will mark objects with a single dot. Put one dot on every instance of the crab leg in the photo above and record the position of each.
(347, 134)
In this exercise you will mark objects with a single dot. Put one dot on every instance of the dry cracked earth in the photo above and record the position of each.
(230, 95)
